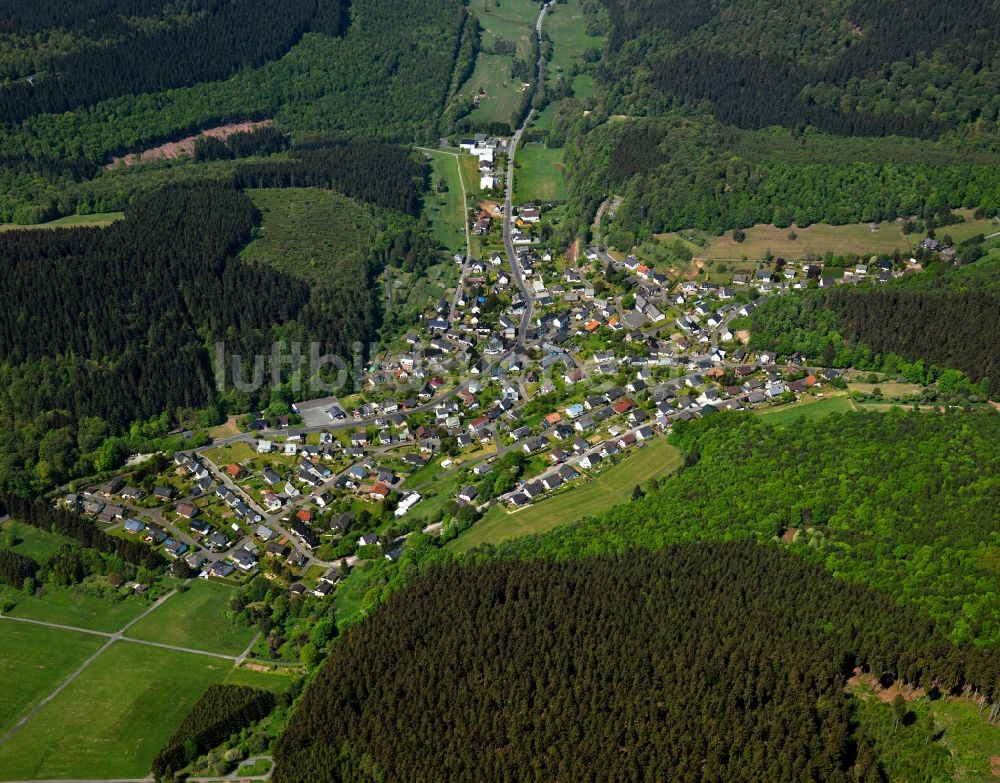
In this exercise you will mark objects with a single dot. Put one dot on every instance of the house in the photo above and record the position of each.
(220, 569)
(264, 533)
(235, 471)
(379, 491)
(187, 510)
(195, 561)
(299, 528)
(134, 526)
(468, 493)
(163, 493)
(201, 527)
(112, 487)
(322, 589)
(368, 539)
(270, 477)
(175, 548)
(623, 405)
(590, 460)
(244, 560)
(218, 541)
(552, 481)
(264, 446)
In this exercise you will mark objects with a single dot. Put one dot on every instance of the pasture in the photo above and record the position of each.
(112, 719)
(196, 618)
(538, 174)
(98, 219)
(34, 660)
(608, 488)
(809, 408)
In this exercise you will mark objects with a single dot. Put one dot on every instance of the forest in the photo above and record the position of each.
(862, 327)
(688, 171)
(214, 39)
(123, 318)
(779, 63)
(221, 711)
(672, 665)
(383, 174)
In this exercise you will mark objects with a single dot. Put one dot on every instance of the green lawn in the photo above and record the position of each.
(502, 96)
(538, 175)
(35, 543)
(446, 211)
(238, 451)
(116, 715)
(196, 618)
(310, 233)
(566, 26)
(810, 408)
(33, 661)
(68, 606)
(97, 219)
(607, 489)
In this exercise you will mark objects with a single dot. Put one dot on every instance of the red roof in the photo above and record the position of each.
(624, 404)
(304, 515)
(380, 489)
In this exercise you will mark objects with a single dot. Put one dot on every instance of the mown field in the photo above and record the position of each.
(196, 618)
(34, 660)
(607, 489)
(502, 97)
(820, 238)
(565, 25)
(809, 408)
(66, 606)
(445, 211)
(112, 719)
(309, 233)
(538, 174)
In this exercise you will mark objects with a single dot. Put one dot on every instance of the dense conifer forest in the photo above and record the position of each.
(125, 319)
(860, 327)
(221, 711)
(694, 663)
(212, 40)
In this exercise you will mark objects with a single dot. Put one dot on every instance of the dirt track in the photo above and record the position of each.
(185, 146)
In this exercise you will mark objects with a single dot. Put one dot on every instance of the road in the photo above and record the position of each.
(515, 265)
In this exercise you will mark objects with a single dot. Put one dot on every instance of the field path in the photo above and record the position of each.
(117, 636)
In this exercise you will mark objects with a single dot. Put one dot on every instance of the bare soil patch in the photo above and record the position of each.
(185, 147)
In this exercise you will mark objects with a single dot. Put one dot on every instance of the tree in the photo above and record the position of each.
(739, 235)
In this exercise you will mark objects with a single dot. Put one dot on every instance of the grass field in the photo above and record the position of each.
(446, 211)
(309, 233)
(71, 221)
(33, 661)
(609, 488)
(567, 28)
(111, 720)
(810, 408)
(238, 451)
(72, 607)
(538, 175)
(819, 238)
(34, 543)
(888, 389)
(492, 74)
(196, 618)
(513, 20)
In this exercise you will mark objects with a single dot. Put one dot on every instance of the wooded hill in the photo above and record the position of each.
(124, 319)
(847, 67)
(123, 47)
(859, 327)
(713, 662)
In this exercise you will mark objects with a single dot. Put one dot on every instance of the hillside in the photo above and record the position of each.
(674, 665)
(714, 116)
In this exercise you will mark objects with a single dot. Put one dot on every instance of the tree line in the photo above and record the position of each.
(708, 662)
(221, 711)
(15, 568)
(383, 174)
(861, 327)
(44, 516)
(265, 140)
(224, 37)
